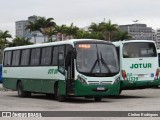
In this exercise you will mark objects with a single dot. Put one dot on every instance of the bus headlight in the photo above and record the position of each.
(81, 80)
(117, 80)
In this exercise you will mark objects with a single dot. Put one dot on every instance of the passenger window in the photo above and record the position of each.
(35, 56)
(16, 58)
(46, 56)
(25, 57)
(7, 58)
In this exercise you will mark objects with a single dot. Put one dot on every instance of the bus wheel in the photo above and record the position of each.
(58, 97)
(21, 92)
(97, 99)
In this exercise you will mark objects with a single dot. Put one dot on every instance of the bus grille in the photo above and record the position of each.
(99, 82)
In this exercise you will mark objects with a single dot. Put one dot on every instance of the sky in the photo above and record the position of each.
(81, 12)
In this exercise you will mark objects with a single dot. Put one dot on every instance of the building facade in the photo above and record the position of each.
(22, 32)
(139, 31)
(158, 38)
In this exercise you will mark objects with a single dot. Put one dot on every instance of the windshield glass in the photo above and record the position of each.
(97, 59)
(139, 49)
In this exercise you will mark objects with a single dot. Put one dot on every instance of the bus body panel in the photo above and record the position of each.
(42, 80)
(140, 71)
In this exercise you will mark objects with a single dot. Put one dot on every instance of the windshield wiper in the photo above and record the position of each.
(95, 63)
(104, 63)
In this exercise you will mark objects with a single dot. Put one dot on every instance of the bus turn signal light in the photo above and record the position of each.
(157, 74)
(124, 75)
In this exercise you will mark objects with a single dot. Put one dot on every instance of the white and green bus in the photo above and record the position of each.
(84, 67)
(138, 64)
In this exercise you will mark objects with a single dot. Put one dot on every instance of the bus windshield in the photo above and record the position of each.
(97, 59)
(139, 49)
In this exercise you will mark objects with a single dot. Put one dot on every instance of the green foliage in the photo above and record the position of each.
(81, 34)
(71, 31)
(3, 38)
(94, 27)
(103, 31)
(108, 29)
(33, 28)
(122, 35)
(20, 41)
(43, 25)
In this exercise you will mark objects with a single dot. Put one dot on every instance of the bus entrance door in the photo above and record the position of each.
(69, 66)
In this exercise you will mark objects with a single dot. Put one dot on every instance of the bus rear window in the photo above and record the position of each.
(139, 49)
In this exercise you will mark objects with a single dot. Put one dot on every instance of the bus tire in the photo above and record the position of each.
(97, 99)
(58, 97)
(21, 92)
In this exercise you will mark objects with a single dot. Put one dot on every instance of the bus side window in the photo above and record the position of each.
(16, 58)
(7, 58)
(56, 50)
(35, 56)
(61, 62)
(46, 56)
(55, 56)
(25, 57)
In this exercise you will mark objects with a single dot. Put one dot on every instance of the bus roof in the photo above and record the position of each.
(51, 44)
(130, 41)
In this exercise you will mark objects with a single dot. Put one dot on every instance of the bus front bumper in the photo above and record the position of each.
(96, 90)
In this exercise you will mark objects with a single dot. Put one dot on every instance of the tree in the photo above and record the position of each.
(60, 31)
(20, 41)
(96, 35)
(71, 31)
(82, 34)
(45, 25)
(96, 30)
(108, 29)
(94, 27)
(3, 38)
(122, 35)
(3, 42)
(50, 33)
(33, 28)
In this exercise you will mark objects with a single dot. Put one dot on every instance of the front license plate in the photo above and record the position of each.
(100, 88)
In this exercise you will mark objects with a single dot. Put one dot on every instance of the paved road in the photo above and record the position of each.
(131, 100)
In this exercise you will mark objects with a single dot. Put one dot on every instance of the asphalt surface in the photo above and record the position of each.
(129, 100)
